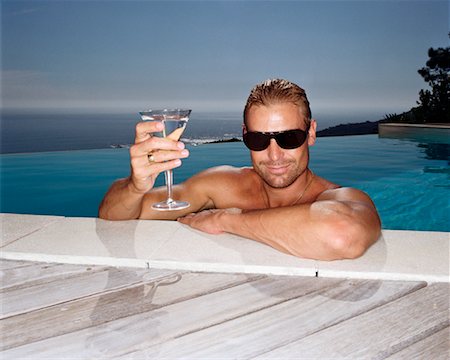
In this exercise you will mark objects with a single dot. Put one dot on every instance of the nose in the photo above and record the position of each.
(275, 152)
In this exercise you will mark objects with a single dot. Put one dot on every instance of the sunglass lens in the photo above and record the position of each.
(256, 141)
(291, 139)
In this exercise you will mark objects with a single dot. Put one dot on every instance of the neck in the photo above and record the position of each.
(291, 195)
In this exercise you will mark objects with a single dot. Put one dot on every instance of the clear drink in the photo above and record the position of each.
(173, 125)
(174, 122)
(173, 129)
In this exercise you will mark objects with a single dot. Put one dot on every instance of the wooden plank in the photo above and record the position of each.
(178, 318)
(435, 346)
(378, 333)
(267, 309)
(22, 300)
(264, 330)
(35, 273)
(111, 305)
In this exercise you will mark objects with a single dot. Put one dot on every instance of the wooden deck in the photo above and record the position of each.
(57, 311)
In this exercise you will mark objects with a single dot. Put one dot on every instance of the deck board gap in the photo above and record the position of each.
(253, 311)
(375, 306)
(411, 341)
(53, 278)
(92, 295)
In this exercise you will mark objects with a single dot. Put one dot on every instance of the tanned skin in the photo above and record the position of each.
(266, 202)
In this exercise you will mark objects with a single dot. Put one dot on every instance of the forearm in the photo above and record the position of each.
(121, 202)
(316, 231)
(278, 228)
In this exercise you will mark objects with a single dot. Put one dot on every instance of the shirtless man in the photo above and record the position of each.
(278, 201)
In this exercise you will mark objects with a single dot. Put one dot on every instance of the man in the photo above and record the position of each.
(278, 201)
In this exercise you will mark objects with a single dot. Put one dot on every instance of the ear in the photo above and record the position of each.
(312, 132)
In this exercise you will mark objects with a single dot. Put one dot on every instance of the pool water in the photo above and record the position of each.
(408, 181)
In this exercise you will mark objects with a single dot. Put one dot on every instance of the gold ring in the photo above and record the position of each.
(151, 158)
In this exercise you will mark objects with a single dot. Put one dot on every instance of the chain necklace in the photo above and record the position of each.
(304, 191)
(301, 195)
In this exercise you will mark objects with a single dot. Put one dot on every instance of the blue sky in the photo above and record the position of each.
(356, 59)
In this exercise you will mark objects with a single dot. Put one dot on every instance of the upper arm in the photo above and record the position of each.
(198, 191)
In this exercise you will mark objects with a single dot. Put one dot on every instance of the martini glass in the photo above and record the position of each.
(174, 121)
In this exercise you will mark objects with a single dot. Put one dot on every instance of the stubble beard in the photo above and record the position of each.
(282, 181)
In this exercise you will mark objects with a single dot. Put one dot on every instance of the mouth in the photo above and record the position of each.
(277, 169)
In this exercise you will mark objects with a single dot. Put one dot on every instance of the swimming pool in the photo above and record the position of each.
(408, 181)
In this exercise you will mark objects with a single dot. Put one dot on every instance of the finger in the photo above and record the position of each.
(164, 166)
(154, 144)
(187, 216)
(185, 219)
(142, 173)
(145, 129)
(162, 155)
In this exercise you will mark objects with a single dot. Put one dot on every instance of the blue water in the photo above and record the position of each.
(54, 132)
(408, 181)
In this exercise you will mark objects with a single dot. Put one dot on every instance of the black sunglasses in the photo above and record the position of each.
(289, 139)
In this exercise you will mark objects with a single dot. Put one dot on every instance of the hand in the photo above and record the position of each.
(208, 221)
(166, 155)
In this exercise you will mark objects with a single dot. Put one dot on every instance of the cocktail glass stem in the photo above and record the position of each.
(169, 181)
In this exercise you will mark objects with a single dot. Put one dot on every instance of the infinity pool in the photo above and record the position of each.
(408, 181)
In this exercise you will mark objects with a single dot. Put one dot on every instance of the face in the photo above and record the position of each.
(279, 167)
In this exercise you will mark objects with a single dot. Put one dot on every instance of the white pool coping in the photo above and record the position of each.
(424, 126)
(398, 255)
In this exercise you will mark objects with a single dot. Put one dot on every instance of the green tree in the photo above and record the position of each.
(435, 103)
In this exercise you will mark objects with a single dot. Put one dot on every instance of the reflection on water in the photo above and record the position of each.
(435, 151)
(435, 141)
(423, 134)
(436, 170)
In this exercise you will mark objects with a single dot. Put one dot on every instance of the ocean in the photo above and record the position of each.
(39, 132)
(21, 133)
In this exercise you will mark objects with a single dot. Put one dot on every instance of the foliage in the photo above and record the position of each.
(435, 103)
(415, 115)
(393, 118)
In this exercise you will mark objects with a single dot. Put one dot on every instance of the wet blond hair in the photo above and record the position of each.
(275, 91)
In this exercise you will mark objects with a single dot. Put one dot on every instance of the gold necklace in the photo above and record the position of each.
(304, 191)
(266, 200)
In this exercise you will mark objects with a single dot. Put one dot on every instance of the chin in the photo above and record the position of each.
(278, 183)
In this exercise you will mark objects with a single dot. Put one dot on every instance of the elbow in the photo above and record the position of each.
(350, 240)
(102, 212)
(343, 247)
(104, 215)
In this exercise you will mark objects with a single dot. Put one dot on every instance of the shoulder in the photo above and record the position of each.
(222, 186)
(346, 194)
(221, 179)
(222, 174)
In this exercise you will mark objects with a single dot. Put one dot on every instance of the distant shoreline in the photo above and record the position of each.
(362, 128)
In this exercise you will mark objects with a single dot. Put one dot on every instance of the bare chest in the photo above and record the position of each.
(243, 192)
